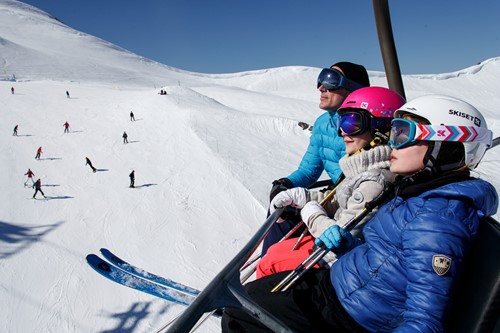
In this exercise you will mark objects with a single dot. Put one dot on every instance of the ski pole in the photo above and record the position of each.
(169, 323)
(495, 142)
(323, 203)
(302, 268)
(320, 252)
(202, 320)
(205, 317)
(257, 257)
(252, 261)
(300, 238)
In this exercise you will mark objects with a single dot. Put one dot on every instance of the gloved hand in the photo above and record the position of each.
(279, 185)
(337, 239)
(311, 208)
(295, 197)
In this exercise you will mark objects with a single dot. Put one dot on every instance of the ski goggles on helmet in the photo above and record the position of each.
(332, 79)
(356, 122)
(405, 133)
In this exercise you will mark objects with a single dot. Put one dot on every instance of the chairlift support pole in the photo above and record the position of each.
(387, 46)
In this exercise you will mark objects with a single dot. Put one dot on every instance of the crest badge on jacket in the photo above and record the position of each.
(441, 264)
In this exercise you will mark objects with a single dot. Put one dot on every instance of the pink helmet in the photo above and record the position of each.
(380, 102)
(369, 108)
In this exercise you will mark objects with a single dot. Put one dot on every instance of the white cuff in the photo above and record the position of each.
(311, 208)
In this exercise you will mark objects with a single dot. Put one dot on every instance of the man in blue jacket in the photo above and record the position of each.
(326, 147)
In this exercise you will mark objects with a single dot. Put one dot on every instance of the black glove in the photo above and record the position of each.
(290, 213)
(279, 185)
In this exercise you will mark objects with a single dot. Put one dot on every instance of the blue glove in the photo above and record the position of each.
(336, 239)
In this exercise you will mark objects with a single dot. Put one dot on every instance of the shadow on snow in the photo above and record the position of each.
(145, 185)
(15, 238)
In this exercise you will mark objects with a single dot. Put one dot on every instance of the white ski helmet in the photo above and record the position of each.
(457, 149)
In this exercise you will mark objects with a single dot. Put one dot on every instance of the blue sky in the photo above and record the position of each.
(223, 36)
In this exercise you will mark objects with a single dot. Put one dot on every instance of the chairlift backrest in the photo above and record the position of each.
(476, 306)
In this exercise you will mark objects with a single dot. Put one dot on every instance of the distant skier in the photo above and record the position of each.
(30, 175)
(12, 90)
(38, 188)
(67, 94)
(38, 153)
(125, 136)
(132, 179)
(66, 127)
(90, 164)
(15, 130)
(132, 118)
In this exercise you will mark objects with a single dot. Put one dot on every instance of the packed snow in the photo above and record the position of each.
(204, 157)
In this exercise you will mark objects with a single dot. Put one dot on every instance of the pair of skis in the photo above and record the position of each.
(225, 289)
(121, 272)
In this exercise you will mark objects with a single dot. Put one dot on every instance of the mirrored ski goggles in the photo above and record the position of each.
(405, 133)
(356, 122)
(332, 79)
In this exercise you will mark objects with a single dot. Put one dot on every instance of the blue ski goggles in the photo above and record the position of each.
(405, 133)
(356, 122)
(402, 133)
(332, 79)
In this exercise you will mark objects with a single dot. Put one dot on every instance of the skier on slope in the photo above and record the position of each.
(132, 117)
(132, 179)
(30, 175)
(326, 147)
(89, 163)
(66, 127)
(125, 136)
(15, 130)
(38, 153)
(38, 188)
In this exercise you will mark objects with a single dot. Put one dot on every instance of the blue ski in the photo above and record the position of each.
(127, 279)
(130, 280)
(108, 255)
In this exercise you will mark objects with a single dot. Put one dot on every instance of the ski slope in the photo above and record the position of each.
(204, 157)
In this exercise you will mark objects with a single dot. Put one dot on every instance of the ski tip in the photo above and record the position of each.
(111, 257)
(106, 253)
(97, 263)
(92, 257)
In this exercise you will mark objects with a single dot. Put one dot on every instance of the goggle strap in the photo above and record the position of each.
(351, 85)
(381, 136)
(453, 133)
(375, 142)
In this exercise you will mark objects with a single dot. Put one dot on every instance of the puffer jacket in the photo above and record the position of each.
(325, 150)
(400, 278)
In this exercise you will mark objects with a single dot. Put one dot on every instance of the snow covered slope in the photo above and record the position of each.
(204, 157)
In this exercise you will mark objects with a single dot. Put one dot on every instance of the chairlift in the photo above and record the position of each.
(476, 305)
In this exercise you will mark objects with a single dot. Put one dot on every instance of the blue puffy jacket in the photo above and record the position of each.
(325, 150)
(397, 280)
